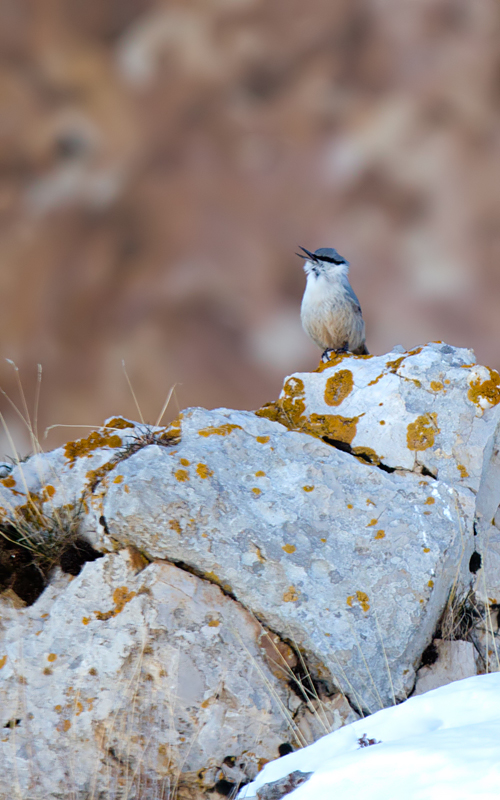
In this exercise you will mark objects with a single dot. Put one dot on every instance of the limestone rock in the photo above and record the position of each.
(321, 716)
(283, 786)
(120, 680)
(351, 563)
(455, 661)
(431, 409)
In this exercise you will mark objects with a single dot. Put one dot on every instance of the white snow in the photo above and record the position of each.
(442, 745)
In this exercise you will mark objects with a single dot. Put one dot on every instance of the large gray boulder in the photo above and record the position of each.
(335, 522)
(135, 677)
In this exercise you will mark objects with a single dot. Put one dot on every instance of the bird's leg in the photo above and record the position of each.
(339, 351)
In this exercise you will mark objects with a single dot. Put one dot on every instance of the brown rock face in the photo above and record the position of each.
(161, 161)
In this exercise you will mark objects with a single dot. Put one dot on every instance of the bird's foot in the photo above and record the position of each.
(329, 350)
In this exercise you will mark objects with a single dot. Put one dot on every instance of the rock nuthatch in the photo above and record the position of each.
(330, 311)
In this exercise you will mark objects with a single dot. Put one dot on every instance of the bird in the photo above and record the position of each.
(330, 312)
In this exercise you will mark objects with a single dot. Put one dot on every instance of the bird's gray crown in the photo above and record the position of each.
(328, 254)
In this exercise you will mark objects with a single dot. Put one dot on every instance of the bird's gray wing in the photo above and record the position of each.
(350, 293)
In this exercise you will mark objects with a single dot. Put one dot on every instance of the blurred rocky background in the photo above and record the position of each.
(161, 161)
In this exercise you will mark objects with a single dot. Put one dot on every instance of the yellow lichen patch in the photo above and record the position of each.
(185, 462)
(288, 548)
(175, 525)
(256, 491)
(380, 535)
(369, 502)
(66, 725)
(3, 661)
(382, 422)
(85, 447)
(262, 439)
(293, 399)
(93, 476)
(362, 599)
(333, 359)
(463, 471)
(121, 596)
(436, 386)
(485, 393)
(51, 657)
(427, 549)
(372, 523)
(308, 488)
(181, 475)
(78, 708)
(58, 709)
(350, 505)
(260, 474)
(85, 620)
(118, 479)
(338, 387)
(289, 411)
(9, 482)
(221, 430)
(172, 434)
(430, 501)
(366, 454)
(376, 380)
(119, 423)
(421, 433)
(203, 471)
(323, 540)
(430, 584)
(394, 365)
(214, 623)
(47, 492)
(292, 595)
(212, 576)
(333, 426)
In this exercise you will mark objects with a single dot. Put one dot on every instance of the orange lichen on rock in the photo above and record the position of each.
(462, 470)
(366, 454)
(9, 482)
(430, 501)
(288, 548)
(422, 432)
(308, 488)
(220, 430)
(185, 462)
(121, 596)
(380, 535)
(175, 525)
(3, 661)
(118, 479)
(256, 491)
(203, 471)
(260, 474)
(338, 387)
(362, 599)
(119, 423)
(488, 390)
(262, 439)
(292, 595)
(85, 447)
(289, 411)
(172, 434)
(181, 475)
(436, 386)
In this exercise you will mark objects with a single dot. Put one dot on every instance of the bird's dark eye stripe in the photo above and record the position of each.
(331, 260)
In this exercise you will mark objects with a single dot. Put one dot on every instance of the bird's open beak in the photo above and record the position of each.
(308, 254)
